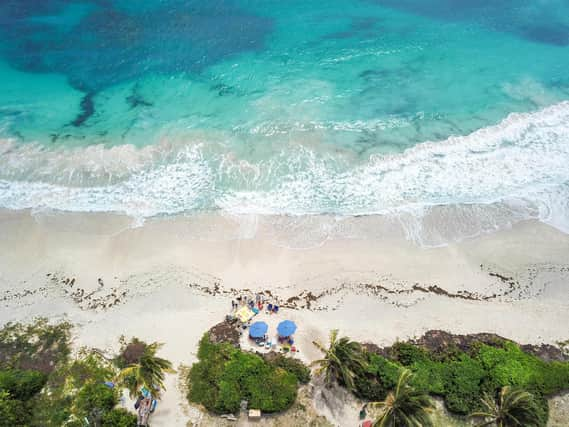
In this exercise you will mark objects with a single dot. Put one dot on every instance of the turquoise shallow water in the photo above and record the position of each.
(297, 107)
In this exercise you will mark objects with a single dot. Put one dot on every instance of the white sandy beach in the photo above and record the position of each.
(170, 280)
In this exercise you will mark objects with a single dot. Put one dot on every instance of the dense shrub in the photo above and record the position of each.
(224, 376)
(462, 381)
(294, 366)
(95, 398)
(17, 388)
(509, 365)
(379, 376)
(408, 354)
(430, 377)
(13, 412)
(119, 418)
(22, 385)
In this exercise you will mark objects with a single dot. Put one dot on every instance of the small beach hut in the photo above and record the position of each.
(258, 330)
(244, 314)
(254, 414)
(286, 328)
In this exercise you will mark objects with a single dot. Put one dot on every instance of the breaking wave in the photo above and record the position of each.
(518, 169)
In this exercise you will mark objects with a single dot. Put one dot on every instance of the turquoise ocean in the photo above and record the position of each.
(340, 108)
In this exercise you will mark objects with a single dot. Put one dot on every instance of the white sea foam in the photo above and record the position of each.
(525, 157)
(138, 182)
(517, 169)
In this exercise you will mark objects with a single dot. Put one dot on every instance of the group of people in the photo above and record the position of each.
(258, 301)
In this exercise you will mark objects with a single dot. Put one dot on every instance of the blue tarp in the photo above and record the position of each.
(258, 329)
(286, 328)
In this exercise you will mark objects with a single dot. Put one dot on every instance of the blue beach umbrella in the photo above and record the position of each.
(258, 329)
(286, 328)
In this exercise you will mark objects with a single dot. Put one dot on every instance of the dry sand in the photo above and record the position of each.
(171, 279)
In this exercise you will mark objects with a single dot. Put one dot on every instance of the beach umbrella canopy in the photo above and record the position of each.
(286, 328)
(258, 329)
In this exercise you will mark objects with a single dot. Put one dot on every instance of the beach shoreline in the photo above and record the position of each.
(171, 279)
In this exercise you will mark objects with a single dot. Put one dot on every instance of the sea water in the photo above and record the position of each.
(306, 107)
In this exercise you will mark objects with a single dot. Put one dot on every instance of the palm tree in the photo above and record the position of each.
(146, 371)
(341, 359)
(405, 406)
(513, 408)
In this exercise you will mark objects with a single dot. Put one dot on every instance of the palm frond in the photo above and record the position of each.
(404, 406)
(148, 372)
(341, 359)
(512, 408)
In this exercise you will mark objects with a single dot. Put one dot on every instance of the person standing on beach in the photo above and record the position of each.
(144, 409)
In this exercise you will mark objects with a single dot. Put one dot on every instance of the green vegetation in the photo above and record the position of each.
(405, 406)
(118, 417)
(75, 390)
(464, 378)
(512, 408)
(378, 377)
(140, 367)
(13, 412)
(22, 385)
(342, 360)
(93, 401)
(225, 375)
(41, 385)
(17, 388)
(29, 354)
(294, 366)
(38, 346)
